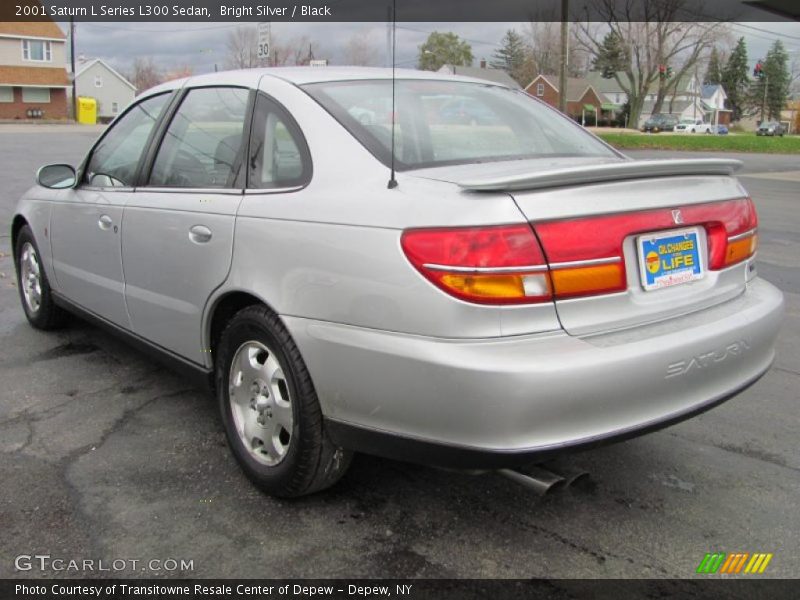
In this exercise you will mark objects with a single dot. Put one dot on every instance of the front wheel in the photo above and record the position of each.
(270, 409)
(34, 288)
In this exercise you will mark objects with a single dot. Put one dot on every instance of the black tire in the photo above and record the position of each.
(47, 315)
(311, 462)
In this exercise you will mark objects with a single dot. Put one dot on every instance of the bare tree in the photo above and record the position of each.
(178, 72)
(241, 48)
(300, 50)
(144, 74)
(544, 47)
(652, 37)
(359, 51)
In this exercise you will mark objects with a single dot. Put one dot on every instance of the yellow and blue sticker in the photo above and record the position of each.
(670, 259)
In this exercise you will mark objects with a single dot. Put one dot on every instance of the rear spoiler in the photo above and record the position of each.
(632, 169)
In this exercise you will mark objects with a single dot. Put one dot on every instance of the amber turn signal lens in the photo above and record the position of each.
(582, 281)
(741, 249)
(497, 286)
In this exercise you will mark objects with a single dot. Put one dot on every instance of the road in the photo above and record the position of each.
(105, 455)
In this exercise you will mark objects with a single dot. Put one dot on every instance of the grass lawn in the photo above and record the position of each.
(743, 142)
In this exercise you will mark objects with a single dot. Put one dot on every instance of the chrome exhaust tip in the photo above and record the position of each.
(539, 480)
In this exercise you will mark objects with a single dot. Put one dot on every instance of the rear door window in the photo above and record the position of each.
(202, 147)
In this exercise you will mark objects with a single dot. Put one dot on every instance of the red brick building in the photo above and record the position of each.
(582, 99)
(33, 77)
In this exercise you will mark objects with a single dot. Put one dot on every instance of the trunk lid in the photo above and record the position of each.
(617, 212)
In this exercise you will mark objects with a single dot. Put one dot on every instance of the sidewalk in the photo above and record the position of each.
(48, 127)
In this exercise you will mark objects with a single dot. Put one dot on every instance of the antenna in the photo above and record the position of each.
(392, 181)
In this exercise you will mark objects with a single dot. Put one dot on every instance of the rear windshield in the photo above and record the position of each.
(445, 122)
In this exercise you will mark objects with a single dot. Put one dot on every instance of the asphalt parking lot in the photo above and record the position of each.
(106, 455)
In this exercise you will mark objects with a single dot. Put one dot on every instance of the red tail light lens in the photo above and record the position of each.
(584, 256)
(587, 242)
(487, 265)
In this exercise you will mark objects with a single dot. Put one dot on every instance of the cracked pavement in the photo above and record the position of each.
(106, 455)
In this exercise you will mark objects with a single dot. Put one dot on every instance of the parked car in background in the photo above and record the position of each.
(693, 126)
(516, 290)
(771, 128)
(721, 130)
(659, 122)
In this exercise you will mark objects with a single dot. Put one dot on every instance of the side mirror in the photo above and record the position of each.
(57, 177)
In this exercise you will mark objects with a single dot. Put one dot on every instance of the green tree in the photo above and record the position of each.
(736, 79)
(444, 49)
(714, 69)
(511, 57)
(612, 56)
(772, 90)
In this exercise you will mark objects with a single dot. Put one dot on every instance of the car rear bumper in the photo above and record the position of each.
(493, 403)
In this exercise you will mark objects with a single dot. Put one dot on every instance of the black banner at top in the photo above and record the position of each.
(406, 10)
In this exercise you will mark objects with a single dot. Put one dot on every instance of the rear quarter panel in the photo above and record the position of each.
(331, 251)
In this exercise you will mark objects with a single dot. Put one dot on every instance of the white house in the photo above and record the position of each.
(714, 98)
(96, 79)
(685, 103)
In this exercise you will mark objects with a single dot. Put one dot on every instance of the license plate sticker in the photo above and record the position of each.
(670, 258)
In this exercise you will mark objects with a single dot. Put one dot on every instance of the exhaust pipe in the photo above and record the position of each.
(572, 475)
(539, 480)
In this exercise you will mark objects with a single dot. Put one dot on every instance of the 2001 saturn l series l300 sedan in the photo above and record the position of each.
(519, 289)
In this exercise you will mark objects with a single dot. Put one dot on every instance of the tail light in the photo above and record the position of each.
(569, 258)
(586, 256)
(742, 236)
(487, 265)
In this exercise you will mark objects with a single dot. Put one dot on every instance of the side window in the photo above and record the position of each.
(116, 157)
(279, 156)
(202, 146)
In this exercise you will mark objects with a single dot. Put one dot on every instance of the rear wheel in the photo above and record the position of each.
(34, 289)
(270, 410)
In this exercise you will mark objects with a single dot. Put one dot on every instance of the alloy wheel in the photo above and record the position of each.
(261, 402)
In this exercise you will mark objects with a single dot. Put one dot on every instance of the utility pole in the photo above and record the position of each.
(764, 101)
(72, 61)
(562, 72)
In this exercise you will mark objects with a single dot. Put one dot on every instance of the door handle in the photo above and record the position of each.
(199, 234)
(105, 222)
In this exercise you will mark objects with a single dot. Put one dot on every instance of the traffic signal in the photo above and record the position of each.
(669, 72)
(662, 72)
(758, 72)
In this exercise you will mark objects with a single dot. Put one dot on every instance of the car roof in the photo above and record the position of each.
(305, 75)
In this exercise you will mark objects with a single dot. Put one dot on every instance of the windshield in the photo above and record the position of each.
(447, 122)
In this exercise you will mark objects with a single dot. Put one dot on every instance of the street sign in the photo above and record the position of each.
(318, 63)
(262, 49)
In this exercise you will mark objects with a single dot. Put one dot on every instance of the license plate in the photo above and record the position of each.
(670, 258)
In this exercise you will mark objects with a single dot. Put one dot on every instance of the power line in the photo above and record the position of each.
(754, 28)
(471, 41)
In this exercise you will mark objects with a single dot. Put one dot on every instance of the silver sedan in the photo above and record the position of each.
(476, 292)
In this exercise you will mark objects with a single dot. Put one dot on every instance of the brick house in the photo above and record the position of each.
(583, 101)
(33, 75)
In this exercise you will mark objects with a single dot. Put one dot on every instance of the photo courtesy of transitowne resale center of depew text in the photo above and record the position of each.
(398, 299)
